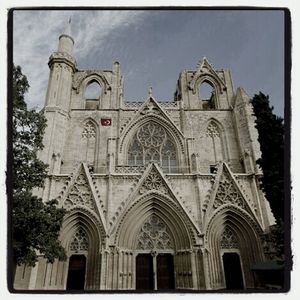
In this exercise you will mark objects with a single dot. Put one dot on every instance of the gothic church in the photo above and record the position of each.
(160, 195)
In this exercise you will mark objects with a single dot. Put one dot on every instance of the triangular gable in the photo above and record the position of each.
(205, 68)
(79, 191)
(153, 180)
(152, 108)
(226, 191)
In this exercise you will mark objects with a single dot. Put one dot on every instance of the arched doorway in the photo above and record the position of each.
(76, 272)
(233, 271)
(154, 262)
(155, 271)
(154, 225)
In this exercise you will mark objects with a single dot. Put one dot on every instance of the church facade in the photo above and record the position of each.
(159, 195)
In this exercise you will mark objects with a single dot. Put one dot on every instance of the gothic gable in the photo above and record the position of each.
(150, 110)
(79, 193)
(153, 182)
(206, 71)
(226, 191)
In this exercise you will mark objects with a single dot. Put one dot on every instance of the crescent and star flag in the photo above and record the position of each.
(106, 121)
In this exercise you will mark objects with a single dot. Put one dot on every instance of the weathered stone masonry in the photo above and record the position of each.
(174, 183)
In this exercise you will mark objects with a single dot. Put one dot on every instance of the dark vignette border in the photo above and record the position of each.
(287, 147)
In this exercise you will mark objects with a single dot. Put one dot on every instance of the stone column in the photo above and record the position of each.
(154, 255)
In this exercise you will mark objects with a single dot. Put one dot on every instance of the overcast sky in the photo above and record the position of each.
(153, 47)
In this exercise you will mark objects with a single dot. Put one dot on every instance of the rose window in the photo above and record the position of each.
(154, 235)
(152, 143)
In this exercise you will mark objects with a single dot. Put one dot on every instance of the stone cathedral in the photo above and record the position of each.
(159, 195)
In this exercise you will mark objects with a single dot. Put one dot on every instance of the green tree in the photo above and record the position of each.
(35, 225)
(271, 138)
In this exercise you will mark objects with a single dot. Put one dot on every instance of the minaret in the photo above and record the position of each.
(62, 67)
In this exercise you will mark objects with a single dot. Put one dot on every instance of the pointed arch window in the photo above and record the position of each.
(214, 143)
(92, 94)
(152, 143)
(88, 135)
(207, 95)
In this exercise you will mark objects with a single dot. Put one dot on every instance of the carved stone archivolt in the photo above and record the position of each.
(97, 75)
(172, 131)
(154, 235)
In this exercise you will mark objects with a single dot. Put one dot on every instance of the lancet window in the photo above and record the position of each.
(92, 95)
(214, 143)
(88, 141)
(207, 95)
(152, 143)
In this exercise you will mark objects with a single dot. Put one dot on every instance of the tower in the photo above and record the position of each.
(159, 195)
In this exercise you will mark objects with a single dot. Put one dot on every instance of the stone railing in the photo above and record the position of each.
(166, 104)
(129, 169)
(133, 104)
(137, 104)
(141, 169)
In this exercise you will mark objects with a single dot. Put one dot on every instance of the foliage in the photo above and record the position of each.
(35, 225)
(271, 138)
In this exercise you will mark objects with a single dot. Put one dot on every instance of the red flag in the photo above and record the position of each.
(106, 121)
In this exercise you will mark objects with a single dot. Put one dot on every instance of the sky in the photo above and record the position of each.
(153, 47)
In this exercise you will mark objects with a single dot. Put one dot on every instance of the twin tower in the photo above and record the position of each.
(159, 195)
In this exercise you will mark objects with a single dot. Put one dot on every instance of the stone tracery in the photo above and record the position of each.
(80, 194)
(79, 241)
(212, 130)
(228, 193)
(152, 143)
(154, 235)
(89, 130)
(229, 239)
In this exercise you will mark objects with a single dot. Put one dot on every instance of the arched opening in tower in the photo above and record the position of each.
(207, 95)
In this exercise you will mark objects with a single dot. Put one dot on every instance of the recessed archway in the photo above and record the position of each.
(246, 243)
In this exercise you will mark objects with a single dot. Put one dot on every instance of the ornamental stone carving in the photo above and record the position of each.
(152, 143)
(80, 194)
(229, 239)
(227, 193)
(154, 235)
(154, 181)
(79, 241)
(89, 130)
(212, 130)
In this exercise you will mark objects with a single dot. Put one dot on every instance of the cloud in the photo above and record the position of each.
(36, 35)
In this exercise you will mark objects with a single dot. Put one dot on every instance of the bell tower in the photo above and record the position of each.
(57, 104)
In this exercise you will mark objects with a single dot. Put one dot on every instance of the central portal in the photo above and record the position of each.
(155, 272)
